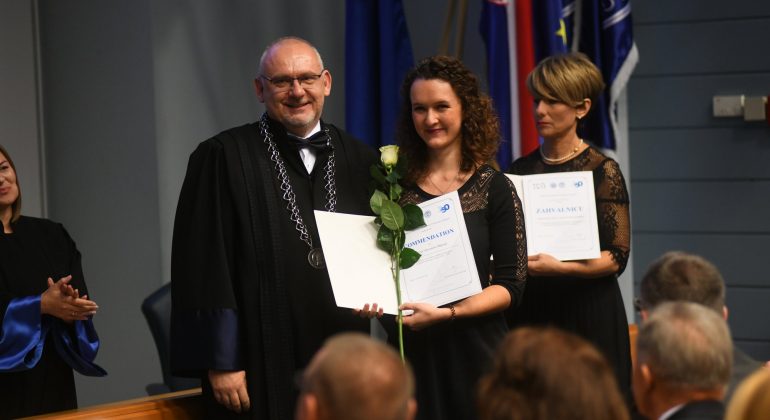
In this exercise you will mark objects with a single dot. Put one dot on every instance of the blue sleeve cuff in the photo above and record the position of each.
(204, 339)
(23, 334)
(79, 352)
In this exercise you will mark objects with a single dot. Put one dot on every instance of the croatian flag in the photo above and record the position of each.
(519, 33)
(510, 53)
(378, 54)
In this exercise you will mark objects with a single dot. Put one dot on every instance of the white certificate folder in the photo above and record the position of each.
(360, 272)
(560, 214)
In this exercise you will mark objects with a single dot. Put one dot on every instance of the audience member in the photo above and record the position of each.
(547, 373)
(681, 276)
(751, 400)
(684, 356)
(355, 377)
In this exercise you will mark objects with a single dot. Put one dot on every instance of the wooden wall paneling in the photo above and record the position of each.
(742, 259)
(722, 207)
(710, 153)
(702, 47)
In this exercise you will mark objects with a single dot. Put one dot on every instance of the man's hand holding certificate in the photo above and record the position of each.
(560, 214)
(360, 272)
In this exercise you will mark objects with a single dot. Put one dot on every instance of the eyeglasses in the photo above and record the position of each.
(286, 83)
(638, 305)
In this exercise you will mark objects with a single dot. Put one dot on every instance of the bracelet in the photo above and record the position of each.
(452, 309)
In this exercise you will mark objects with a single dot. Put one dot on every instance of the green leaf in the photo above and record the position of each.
(392, 178)
(376, 172)
(408, 258)
(413, 217)
(395, 192)
(385, 239)
(392, 215)
(375, 202)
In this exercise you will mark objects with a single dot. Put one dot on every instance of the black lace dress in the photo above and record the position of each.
(448, 358)
(591, 308)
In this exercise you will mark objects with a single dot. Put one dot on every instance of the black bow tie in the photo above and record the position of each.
(317, 141)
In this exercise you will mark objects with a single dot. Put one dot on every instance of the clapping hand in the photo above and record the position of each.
(63, 301)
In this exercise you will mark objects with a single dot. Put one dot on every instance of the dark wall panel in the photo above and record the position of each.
(702, 47)
(702, 153)
(759, 350)
(749, 312)
(726, 207)
(695, 10)
(685, 101)
(742, 259)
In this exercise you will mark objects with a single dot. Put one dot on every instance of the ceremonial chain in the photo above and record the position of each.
(315, 256)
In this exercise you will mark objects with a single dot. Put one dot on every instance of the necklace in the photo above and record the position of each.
(563, 158)
(315, 256)
(449, 187)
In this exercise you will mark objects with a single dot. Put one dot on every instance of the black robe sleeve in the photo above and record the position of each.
(204, 323)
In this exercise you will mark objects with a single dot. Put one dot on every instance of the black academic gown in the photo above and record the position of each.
(39, 352)
(243, 294)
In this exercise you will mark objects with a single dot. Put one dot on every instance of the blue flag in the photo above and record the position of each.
(494, 31)
(550, 31)
(606, 37)
(378, 54)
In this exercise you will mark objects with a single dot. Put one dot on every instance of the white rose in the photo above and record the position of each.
(389, 155)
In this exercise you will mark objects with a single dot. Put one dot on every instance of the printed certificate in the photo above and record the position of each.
(360, 272)
(560, 214)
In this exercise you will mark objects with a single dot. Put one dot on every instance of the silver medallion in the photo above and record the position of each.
(316, 258)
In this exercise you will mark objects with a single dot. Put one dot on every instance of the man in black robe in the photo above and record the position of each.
(251, 299)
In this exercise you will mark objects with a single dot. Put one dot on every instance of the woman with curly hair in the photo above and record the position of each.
(448, 131)
(580, 296)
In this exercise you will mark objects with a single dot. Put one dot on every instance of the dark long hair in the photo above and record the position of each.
(480, 126)
(16, 206)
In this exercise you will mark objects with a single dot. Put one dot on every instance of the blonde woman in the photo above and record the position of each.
(579, 296)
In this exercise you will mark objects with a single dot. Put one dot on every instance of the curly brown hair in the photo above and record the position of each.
(480, 126)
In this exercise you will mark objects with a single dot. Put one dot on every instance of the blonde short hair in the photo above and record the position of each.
(751, 400)
(566, 78)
